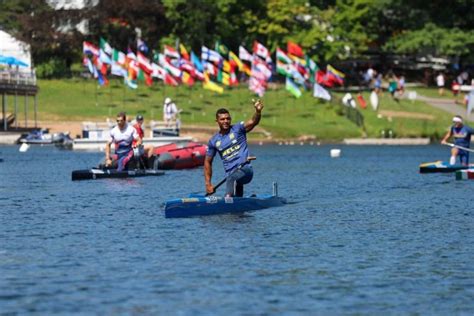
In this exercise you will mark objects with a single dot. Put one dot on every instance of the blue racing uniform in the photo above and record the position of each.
(233, 150)
(462, 137)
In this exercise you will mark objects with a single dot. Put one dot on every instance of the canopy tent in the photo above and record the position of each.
(12, 61)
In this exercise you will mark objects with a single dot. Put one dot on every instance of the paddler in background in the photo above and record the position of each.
(231, 144)
(122, 136)
(146, 149)
(462, 138)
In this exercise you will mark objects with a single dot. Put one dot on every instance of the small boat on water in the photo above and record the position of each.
(466, 174)
(179, 156)
(200, 205)
(103, 173)
(441, 167)
(43, 137)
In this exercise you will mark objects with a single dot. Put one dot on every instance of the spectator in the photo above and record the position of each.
(440, 83)
(169, 112)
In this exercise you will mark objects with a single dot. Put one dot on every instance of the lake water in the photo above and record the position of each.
(364, 233)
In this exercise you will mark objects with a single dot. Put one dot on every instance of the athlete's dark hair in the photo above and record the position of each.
(221, 111)
(122, 115)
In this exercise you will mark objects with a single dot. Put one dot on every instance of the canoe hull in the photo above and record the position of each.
(93, 174)
(441, 167)
(212, 205)
(467, 174)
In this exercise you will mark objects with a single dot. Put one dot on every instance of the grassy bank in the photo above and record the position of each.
(284, 116)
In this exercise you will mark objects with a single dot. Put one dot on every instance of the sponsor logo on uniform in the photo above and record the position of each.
(229, 199)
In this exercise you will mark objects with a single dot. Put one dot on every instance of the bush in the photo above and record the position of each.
(52, 69)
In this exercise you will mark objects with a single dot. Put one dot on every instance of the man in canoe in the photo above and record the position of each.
(462, 138)
(231, 144)
(122, 136)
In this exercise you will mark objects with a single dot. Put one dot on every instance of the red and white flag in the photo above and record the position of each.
(171, 52)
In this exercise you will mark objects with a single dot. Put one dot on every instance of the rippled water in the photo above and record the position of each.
(364, 233)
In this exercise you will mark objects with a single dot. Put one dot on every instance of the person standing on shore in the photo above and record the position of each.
(440, 83)
(170, 110)
(122, 136)
(231, 144)
(462, 138)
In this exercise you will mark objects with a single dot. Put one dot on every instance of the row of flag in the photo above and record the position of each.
(215, 68)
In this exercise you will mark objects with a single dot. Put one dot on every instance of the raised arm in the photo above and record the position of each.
(250, 124)
(208, 174)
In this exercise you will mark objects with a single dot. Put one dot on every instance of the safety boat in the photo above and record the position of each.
(179, 156)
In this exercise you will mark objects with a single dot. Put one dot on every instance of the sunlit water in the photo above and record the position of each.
(364, 233)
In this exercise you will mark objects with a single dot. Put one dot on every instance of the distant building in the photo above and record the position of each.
(10, 46)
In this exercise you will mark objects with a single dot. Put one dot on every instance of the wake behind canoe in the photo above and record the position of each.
(95, 173)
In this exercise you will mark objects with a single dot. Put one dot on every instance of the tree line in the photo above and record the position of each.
(328, 30)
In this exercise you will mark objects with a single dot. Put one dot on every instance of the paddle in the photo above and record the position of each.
(249, 159)
(460, 147)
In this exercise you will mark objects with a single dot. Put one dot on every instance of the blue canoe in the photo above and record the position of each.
(441, 167)
(200, 205)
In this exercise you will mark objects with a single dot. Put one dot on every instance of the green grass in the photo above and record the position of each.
(284, 116)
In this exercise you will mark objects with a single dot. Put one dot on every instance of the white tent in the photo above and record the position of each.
(10, 46)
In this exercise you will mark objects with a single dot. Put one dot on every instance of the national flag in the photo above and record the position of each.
(105, 46)
(102, 79)
(209, 54)
(144, 63)
(170, 80)
(233, 57)
(118, 57)
(282, 57)
(170, 52)
(196, 62)
(292, 87)
(210, 68)
(312, 67)
(90, 66)
(294, 49)
(183, 52)
(262, 67)
(104, 58)
(141, 46)
(187, 65)
(130, 55)
(257, 86)
(223, 77)
(283, 69)
(320, 92)
(244, 54)
(221, 49)
(260, 50)
(158, 71)
(117, 70)
(170, 68)
(187, 78)
(209, 85)
(339, 75)
(88, 48)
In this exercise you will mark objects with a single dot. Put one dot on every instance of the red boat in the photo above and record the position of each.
(179, 156)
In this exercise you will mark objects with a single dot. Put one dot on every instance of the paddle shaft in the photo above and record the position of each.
(460, 147)
(225, 179)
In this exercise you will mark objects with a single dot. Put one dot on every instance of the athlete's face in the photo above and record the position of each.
(120, 121)
(224, 120)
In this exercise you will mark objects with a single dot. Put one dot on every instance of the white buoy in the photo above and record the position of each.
(335, 153)
(24, 147)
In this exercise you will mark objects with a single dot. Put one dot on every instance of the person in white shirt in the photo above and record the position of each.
(440, 83)
(169, 112)
(125, 137)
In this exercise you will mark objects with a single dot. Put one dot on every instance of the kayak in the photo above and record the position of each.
(441, 166)
(467, 174)
(200, 205)
(96, 173)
